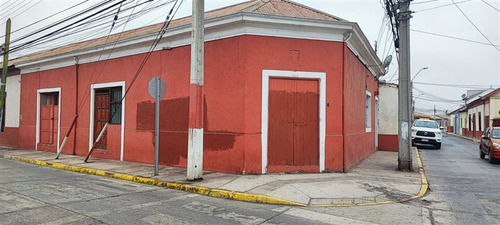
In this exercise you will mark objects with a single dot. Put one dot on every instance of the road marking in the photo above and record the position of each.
(324, 218)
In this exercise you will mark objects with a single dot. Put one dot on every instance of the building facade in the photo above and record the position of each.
(388, 117)
(482, 110)
(284, 91)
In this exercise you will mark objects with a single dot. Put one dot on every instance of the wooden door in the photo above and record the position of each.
(101, 116)
(293, 132)
(49, 120)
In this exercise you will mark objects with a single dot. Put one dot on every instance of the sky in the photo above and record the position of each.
(454, 66)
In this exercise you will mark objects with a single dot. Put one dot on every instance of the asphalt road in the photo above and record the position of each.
(464, 188)
(31, 194)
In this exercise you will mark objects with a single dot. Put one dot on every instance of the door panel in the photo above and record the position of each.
(49, 113)
(101, 116)
(293, 122)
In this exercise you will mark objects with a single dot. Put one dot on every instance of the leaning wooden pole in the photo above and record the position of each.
(5, 67)
(66, 137)
(97, 141)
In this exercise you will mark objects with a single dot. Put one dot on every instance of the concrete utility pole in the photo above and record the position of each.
(404, 125)
(5, 67)
(195, 142)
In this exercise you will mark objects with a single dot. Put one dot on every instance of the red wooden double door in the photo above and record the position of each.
(49, 121)
(293, 129)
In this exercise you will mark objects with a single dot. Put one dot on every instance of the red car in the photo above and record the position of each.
(490, 144)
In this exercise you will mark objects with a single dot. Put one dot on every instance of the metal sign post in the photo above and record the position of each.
(157, 89)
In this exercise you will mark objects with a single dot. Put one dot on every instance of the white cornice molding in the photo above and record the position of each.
(220, 28)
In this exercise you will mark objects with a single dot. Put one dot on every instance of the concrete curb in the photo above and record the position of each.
(424, 187)
(220, 193)
(212, 192)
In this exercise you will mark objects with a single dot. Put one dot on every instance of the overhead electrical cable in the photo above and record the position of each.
(447, 36)
(463, 13)
(416, 3)
(490, 5)
(68, 32)
(12, 11)
(169, 17)
(75, 15)
(457, 85)
(38, 21)
(441, 6)
(100, 55)
(88, 32)
(14, 16)
(9, 8)
(153, 46)
(69, 25)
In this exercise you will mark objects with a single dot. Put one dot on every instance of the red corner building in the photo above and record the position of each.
(287, 88)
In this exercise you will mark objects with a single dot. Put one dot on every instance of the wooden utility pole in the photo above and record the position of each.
(405, 112)
(5, 68)
(195, 141)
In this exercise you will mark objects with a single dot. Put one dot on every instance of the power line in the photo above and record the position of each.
(12, 4)
(434, 97)
(456, 85)
(65, 27)
(12, 11)
(416, 3)
(38, 21)
(490, 5)
(463, 13)
(25, 10)
(150, 51)
(456, 38)
(63, 20)
(100, 55)
(437, 7)
(69, 31)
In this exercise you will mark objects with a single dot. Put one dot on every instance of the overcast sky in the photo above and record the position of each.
(450, 61)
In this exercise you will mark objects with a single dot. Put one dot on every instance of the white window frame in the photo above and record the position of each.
(38, 93)
(368, 113)
(321, 77)
(92, 104)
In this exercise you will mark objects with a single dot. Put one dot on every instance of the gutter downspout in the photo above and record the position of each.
(347, 37)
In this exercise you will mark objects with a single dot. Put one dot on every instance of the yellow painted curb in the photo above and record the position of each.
(424, 187)
(212, 192)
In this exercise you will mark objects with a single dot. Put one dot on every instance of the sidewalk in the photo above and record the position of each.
(373, 181)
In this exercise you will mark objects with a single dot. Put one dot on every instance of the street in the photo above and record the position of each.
(464, 190)
(31, 194)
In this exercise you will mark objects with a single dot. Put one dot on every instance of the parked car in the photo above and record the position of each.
(426, 131)
(490, 144)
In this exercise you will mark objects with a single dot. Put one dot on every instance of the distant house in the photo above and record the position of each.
(482, 110)
(287, 88)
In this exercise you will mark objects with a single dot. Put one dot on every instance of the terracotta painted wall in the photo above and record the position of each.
(9, 137)
(233, 82)
(388, 142)
(288, 54)
(359, 143)
(30, 83)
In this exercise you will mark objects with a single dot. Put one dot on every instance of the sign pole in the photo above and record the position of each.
(157, 123)
(157, 88)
